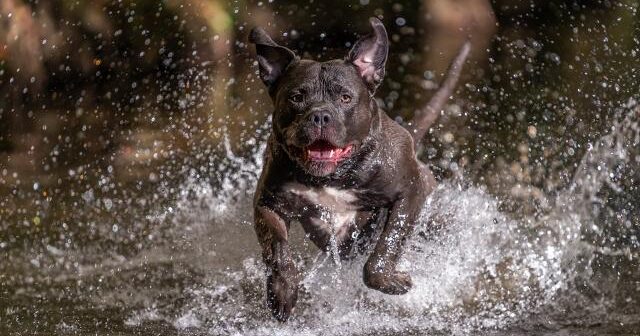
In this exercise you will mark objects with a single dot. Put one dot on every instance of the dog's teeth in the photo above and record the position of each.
(328, 154)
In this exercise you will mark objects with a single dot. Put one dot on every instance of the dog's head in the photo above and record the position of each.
(323, 110)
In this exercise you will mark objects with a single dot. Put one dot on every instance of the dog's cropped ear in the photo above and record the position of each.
(273, 58)
(369, 54)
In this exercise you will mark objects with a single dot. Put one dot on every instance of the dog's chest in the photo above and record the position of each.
(337, 207)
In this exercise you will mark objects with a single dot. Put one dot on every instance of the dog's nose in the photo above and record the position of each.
(320, 118)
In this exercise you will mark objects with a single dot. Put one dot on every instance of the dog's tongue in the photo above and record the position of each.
(324, 151)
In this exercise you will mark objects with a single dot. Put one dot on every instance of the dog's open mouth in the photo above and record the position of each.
(322, 150)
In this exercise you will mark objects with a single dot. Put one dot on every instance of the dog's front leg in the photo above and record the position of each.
(282, 276)
(380, 271)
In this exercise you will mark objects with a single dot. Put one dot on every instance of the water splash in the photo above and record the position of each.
(481, 270)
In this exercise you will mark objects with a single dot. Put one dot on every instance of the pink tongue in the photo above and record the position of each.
(325, 154)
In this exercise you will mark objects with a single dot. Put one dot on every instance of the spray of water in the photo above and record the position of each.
(482, 269)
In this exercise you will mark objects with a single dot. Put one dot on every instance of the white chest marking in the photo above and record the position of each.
(338, 205)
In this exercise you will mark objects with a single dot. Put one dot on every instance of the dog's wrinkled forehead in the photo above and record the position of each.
(322, 77)
(366, 58)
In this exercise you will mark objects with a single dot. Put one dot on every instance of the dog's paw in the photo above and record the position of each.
(394, 283)
(282, 294)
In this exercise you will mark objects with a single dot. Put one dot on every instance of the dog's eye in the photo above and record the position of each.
(296, 98)
(345, 98)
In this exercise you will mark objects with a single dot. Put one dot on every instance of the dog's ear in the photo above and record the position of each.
(273, 58)
(369, 54)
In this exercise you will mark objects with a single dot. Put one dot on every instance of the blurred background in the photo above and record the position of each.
(108, 107)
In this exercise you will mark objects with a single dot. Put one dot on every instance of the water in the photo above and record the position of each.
(191, 265)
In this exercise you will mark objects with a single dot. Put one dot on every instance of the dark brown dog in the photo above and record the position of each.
(336, 163)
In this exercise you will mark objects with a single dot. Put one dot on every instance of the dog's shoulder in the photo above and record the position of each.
(396, 138)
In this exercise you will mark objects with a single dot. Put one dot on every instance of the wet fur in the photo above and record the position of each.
(381, 187)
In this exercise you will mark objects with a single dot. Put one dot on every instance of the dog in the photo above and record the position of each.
(338, 164)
